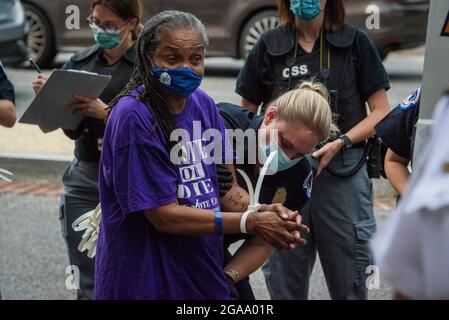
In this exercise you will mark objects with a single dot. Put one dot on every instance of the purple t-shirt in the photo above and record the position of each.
(133, 260)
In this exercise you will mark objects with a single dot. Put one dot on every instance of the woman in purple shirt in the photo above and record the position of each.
(162, 229)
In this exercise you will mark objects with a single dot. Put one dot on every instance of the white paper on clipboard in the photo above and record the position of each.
(48, 107)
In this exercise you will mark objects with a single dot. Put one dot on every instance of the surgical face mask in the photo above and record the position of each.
(305, 9)
(281, 162)
(107, 40)
(181, 82)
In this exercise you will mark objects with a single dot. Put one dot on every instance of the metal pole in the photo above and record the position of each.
(436, 68)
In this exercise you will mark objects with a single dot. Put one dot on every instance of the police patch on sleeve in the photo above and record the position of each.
(411, 101)
(307, 186)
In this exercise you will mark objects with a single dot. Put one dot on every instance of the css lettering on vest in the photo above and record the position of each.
(295, 71)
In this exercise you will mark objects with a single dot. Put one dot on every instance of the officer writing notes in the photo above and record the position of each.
(115, 26)
(313, 42)
(7, 109)
(397, 132)
(7, 100)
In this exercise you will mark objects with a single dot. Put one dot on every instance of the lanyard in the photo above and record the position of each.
(324, 69)
(328, 66)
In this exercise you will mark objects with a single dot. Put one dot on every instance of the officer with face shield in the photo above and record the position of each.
(313, 42)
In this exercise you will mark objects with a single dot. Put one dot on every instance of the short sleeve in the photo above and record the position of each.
(6, 87)
(143, 177)
(397, 128)
(250, 82)
(371, 73)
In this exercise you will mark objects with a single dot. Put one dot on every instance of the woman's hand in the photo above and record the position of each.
(289, 215)
(94, 108)
(327, 153)
(39, 83)
(279, 226)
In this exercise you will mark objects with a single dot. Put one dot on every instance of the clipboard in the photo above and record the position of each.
(48, 107)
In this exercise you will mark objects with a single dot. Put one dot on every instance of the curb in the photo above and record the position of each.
(50, 168)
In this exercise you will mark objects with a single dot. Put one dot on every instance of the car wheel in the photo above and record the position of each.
(256, 26)
(40, 37)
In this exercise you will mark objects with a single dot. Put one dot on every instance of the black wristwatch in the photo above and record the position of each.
(347, 143)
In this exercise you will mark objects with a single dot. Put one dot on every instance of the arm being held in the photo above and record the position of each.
(181, 220)
(256, 250)
(248, 258)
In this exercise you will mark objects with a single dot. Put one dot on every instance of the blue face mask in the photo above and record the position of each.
(305, 9)
(181, 82)
(283, 162)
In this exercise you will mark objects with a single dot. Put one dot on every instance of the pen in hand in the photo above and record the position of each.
(35, 66)
(41, 78)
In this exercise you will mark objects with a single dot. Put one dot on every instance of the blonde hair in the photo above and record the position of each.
(309, 104)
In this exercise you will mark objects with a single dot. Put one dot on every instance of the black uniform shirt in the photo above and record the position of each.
(397, 129)
(291, 187)
(6, 87)
(256, 81)
(89, 134)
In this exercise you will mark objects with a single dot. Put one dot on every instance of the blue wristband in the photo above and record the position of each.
(218, 222)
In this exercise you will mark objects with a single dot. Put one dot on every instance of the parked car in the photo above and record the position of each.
(233, 25)
(13, 30)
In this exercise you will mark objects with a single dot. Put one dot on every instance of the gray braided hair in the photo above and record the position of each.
(147, 44)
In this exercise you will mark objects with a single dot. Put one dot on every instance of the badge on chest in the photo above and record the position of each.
(297, 71)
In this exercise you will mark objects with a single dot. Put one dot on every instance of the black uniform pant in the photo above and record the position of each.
(80, 195)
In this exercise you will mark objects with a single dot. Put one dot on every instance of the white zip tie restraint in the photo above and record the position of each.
(90, 222)
(3, 175)
(254, 204)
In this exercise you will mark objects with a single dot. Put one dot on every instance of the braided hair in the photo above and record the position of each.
(147, 44)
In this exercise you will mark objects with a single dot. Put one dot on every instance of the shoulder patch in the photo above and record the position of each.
(280, 196)
(411, 101)
(308, 185)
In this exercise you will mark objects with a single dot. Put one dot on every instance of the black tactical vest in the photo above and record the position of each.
(339, 75)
